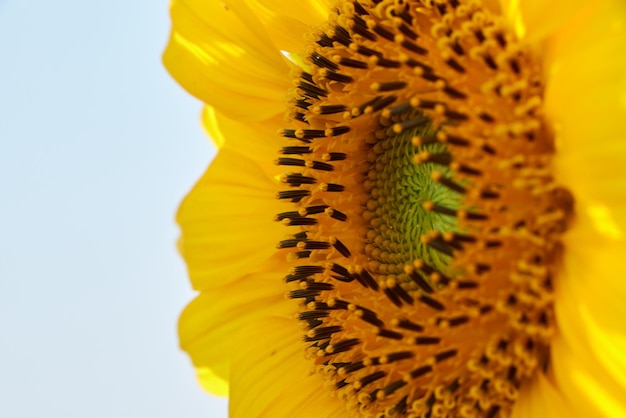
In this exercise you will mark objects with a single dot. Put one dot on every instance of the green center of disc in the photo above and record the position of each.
(400, 188)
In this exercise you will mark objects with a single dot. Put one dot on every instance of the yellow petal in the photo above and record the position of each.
(213, 382)
(227, 221)
(309, 12)
(288, 22)
(209, 324)
(589, 355)
(258, 141)
(535, 20)
(221, 53)
(271, 378)
(586, 99)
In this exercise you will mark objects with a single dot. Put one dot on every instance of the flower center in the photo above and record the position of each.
(426, 223)
(401, 193)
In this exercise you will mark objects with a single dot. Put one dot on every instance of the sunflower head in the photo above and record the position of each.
(422, 202)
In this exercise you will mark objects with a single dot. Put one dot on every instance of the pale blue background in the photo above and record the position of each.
(97, 147)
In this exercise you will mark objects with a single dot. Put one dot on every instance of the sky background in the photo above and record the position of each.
(97, 147)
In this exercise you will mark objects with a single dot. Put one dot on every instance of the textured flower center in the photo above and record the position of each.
(425, 223)
(401, 193)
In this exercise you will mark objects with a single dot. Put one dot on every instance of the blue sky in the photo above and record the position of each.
(97, 147)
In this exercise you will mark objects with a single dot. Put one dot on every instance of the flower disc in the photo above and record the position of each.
(424, 220)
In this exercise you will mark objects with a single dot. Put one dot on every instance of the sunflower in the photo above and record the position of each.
(433, 229)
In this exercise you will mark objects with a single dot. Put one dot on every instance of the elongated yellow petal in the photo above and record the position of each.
(309, 12)
(288, 23)
(589, 355)
(221, 53)
(586, 98)
(209, 324)
(233, 198)
(536, 20)
(212, 382)
(255, 140)
(586, 101)
(271, 378)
